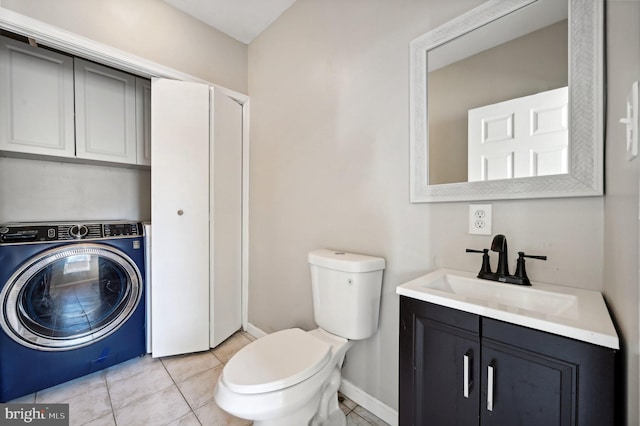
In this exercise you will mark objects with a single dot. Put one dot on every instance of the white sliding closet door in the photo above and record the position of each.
(180, 217)
(226, 217)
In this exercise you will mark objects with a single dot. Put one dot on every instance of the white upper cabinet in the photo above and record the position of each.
(105, 113)
(55, 105)
(36, 100)
(143, 121)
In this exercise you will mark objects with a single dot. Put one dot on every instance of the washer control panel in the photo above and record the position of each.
(17, 233)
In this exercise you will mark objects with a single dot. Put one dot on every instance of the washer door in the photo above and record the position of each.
(70, 297)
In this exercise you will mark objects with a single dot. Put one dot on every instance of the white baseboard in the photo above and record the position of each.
(369, 403)
(351, 391)
(254, 331)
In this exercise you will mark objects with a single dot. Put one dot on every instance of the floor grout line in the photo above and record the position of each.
(113, 410)
(181, 394)
(143, 366)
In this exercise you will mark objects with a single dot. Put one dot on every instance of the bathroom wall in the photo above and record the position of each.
(151, 29)
(329, 87)
(330, 158)
(33, 190)
(621, 202)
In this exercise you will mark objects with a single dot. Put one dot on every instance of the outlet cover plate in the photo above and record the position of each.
(480, 219)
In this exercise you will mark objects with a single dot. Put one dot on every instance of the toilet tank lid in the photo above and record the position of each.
(346, 262)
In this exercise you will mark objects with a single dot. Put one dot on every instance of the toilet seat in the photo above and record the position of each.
(276, 361)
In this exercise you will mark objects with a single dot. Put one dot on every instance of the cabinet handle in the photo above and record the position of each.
(490, 372)
(466, 378)
(180, 212)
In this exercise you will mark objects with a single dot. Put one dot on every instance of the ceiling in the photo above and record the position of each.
(243, 20)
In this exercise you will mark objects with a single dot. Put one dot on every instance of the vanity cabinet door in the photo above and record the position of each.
(445, 371)
(36, 100)
(525, 388)
(439, 365)
(545, 379)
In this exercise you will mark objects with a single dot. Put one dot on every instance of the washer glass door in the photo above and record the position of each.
(70, 296)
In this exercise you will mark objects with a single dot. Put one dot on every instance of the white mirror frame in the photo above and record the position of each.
(586, 110)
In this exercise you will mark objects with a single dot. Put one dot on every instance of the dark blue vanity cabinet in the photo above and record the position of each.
(458, 368)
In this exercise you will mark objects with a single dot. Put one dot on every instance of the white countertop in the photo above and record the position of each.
(581, 314)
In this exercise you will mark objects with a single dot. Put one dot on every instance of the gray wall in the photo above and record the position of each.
(329, 168)
(621, 202)
(32, 190)
(150, 29)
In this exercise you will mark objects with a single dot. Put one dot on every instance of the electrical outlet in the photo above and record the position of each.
(480, 219)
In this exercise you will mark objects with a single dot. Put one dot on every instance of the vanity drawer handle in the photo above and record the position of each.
(490, 383)
(466, 374)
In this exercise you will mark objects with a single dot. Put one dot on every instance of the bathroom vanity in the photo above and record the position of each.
(479, 352)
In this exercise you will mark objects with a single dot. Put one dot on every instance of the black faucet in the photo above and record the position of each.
(485, 271)
(499, 245)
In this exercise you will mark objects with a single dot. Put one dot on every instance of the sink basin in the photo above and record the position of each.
(571, 312)
(507, 296)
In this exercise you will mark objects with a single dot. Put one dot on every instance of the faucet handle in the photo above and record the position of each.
(521, 272)
(486, 262)
(530, 256)
(477, 251)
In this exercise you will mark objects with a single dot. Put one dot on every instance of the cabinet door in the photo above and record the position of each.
(143, 121)
(105, 113)
(524, 388)
(546, 379)
(180, 216)
(447, 374)
(36, 100)
(439, 365)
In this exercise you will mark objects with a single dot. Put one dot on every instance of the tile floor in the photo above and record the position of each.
(147, 391)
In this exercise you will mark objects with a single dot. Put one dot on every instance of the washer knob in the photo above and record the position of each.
(78, 231)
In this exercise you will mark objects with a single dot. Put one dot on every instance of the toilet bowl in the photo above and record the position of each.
(291, 377)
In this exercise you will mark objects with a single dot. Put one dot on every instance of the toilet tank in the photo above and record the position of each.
(346, 292)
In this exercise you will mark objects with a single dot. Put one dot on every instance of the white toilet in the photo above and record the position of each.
(291, 377)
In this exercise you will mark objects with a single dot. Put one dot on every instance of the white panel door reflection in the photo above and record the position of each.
(521, 137)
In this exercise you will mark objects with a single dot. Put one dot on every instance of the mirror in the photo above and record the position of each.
(534, 128)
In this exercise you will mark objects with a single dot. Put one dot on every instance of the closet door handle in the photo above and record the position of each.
(490, 385)
(467, 373)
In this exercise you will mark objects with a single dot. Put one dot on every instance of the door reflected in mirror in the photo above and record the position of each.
(507, 102)
(498, 99)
